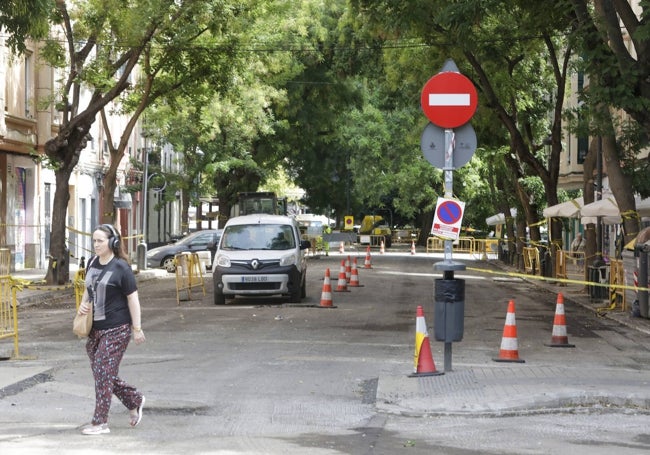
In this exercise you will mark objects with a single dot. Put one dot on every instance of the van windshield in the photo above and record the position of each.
(258, 237)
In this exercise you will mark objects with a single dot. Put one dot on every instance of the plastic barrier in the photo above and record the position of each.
(188, 274)
(8, 311)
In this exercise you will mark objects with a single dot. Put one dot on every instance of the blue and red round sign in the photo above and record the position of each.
(449, 212)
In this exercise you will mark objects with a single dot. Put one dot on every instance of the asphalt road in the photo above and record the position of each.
(262, 376)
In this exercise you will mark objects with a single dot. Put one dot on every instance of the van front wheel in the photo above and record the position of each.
(294, 297)
(219, 298)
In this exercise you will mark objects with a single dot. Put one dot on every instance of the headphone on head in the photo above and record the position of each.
(113, 238)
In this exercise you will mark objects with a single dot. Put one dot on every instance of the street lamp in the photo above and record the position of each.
(142, 246)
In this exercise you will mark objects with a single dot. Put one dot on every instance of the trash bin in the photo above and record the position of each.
(449, 310)
(141, 254)
(598, 274)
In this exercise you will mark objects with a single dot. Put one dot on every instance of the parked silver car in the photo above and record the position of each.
(205, 240)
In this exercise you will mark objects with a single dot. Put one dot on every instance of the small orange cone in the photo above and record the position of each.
(341, 248)
(412, 248)
(326, 295)
(559, 338)
(342, 284)
(423, 359)
(509, 351)
(367, 264)
(381, 247)
(354, 275)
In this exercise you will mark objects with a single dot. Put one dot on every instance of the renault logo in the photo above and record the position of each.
(255, 264)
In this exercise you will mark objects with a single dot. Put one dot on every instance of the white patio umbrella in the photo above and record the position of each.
(499, 218)
(567, 209)
(608, 209)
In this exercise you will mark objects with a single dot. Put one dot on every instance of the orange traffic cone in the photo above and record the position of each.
(354, 275)
(342, 284)
(412, 247)
(348, 269)
(368, 262)
(423, 359)
(326, 295)
(559, 338)
(381, 247)
(341, 248)
(509, 351)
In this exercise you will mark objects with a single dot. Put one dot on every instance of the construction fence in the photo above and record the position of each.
(479, 248)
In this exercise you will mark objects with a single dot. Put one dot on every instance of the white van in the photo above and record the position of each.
(260, 254)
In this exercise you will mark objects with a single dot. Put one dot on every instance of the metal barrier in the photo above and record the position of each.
(435, 244)
(560, 265)
(5, 261)
(531, 260)
(464, 245)
(405, 235)
(484, 247)
(79, 284)
(188, 274)
(8, 311)
(616, 280)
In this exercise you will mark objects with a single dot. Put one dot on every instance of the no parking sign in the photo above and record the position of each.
(448, 218)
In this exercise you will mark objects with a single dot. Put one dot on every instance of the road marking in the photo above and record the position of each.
(430, 275)
(449, 99)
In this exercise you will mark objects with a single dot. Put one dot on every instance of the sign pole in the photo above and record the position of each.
(449, 101)
(449, 184)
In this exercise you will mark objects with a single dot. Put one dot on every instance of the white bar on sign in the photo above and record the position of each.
(448, 99)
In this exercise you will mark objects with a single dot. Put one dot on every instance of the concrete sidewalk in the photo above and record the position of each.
(519, 388)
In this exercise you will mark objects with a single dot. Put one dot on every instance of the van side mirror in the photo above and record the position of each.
(305, 244)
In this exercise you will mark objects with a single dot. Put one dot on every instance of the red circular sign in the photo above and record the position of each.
(449, 99)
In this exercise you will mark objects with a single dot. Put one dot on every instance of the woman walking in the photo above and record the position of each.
(111, 289)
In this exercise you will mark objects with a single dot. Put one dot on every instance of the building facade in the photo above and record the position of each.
(27, 186)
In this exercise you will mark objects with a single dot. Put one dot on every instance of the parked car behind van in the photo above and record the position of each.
(260, 254)
(196, 242)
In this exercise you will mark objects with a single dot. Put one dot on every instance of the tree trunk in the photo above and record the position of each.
(622, 190)
(58, 270)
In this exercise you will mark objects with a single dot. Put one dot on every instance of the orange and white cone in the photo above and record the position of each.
(341, 248)
(509, 351)
(367, 264)
(412, 248)
(354, 275)
(423, 359)
(342, 284)
(381, 247)
(559, 337)
(326, 295)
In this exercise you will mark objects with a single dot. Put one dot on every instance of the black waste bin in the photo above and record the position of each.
(598, 274)
(449, 309)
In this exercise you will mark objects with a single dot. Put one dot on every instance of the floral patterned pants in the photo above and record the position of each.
(105, 349)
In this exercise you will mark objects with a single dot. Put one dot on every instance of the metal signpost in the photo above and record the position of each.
(449, 100)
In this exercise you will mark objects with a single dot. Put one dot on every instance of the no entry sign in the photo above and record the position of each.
(449, 99)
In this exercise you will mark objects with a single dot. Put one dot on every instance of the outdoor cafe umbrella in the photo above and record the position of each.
(568, 209)
(608, 209)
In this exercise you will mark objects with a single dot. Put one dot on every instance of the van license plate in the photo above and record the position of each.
(254, 278)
